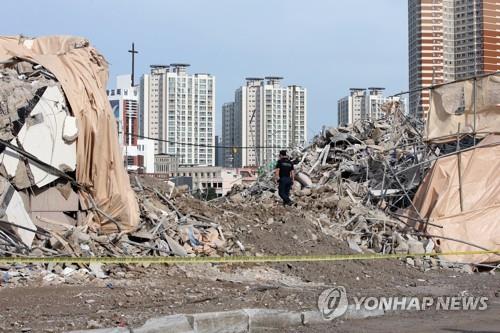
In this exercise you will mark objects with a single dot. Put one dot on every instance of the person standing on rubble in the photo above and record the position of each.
(284, 175)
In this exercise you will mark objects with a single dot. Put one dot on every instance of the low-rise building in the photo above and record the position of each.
(248, 175)
(166, 163)
(206, 177)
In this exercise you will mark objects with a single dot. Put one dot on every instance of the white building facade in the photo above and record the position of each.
(206, 177)
(351, 107)
(181, 113)
(138, 153)
(264, 118)
(283, 120)
(364, 104)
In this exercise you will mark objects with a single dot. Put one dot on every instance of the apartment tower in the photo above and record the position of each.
(180, 109)
(450, 40)
(363, 104)
(264, 118)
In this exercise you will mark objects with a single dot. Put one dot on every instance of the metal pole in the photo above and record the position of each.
(474, 105)
(459, 162)
(402, 188)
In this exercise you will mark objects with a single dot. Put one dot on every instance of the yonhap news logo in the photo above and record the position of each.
(333, 303)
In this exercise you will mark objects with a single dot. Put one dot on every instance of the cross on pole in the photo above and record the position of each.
(134, 52)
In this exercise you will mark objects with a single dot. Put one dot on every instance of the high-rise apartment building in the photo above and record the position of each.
(352, 106)
(180, 113)
(374, 100)
(229, 139)
(264, 117)
(364, 104)
(450, 40)
(248, 105)
(219, 151)
(283, 120)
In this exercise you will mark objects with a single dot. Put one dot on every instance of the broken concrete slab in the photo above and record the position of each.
(70, 129)
(378, 193)
(42, 136)
(304, 179)
(54, 221)
(175, 247)
(12, 207)
(50, 199)
(96, 269)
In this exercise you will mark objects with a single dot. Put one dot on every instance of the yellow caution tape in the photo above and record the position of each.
(228, 259)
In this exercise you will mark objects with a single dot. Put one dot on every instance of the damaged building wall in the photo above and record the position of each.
(82, 73)
(467, 107)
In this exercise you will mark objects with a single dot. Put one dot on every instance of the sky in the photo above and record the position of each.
(326, 46)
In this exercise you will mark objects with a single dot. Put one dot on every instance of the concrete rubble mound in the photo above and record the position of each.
(383, 186)
(347, 176)
(169, 230)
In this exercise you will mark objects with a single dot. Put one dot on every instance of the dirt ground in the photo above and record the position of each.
(160, 290)
(133, 294)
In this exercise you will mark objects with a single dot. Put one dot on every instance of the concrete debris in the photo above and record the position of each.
(39, 146)
(359, 178)
(13, 211)
(42, 136)
(55, 115)
(45, 211)
(96, 269)
(165, 229)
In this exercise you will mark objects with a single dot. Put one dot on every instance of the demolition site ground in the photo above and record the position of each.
(131, 294)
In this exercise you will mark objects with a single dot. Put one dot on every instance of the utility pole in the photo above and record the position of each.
(134, 52)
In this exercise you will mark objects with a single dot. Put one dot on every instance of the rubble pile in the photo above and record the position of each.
(38, 133)
(357, 180)
(163, 231)
(167, 230)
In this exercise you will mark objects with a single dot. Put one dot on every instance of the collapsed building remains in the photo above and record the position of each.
(382, 186)
(60, 159)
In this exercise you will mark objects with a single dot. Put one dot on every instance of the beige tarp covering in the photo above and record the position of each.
(83, 74)
(478, 221)
(452, 109)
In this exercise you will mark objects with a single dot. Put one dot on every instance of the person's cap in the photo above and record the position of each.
(283, 152)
